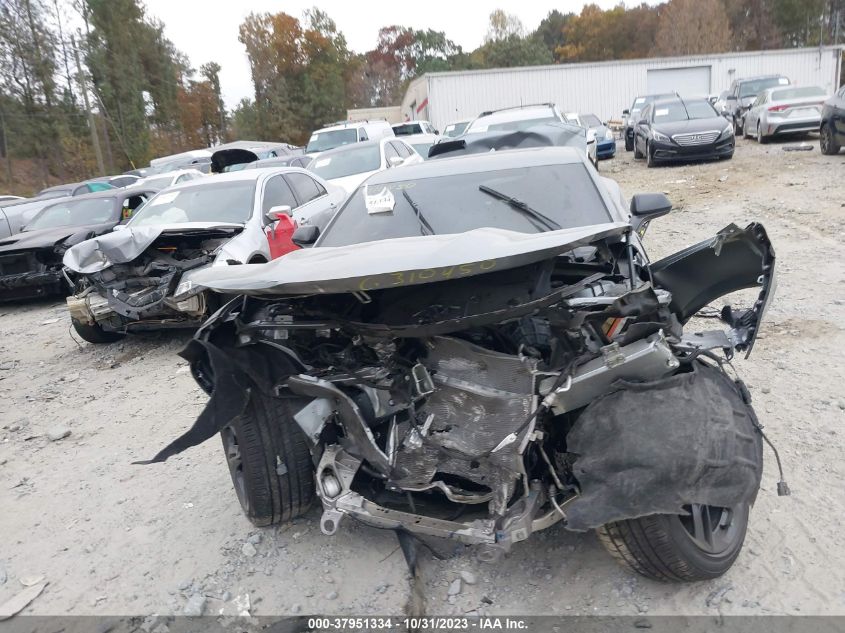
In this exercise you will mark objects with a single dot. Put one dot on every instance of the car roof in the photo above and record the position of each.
(344, 125)
(408, 122)
(759, 77)
(243, 175)
(110, 193)
(473, 163)
(420, 138)
(350, 146)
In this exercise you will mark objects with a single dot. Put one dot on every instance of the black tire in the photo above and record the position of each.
(762, 140)
(269, 460)
(637, 153)
(629, 143)
(649, 156)
(737, 126)
(827, 141)
(662, 547)
(95, 334)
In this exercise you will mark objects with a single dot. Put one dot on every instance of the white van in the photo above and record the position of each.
(346, 132)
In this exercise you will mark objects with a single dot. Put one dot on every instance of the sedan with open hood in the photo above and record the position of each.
(31, 260)
(142, 276)
(478, 348)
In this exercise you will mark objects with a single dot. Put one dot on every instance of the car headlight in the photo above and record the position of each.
(186, 289)
(659, 136)
(608, 135)
(728, 131)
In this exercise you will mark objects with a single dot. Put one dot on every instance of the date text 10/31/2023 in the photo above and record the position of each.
(373, 623)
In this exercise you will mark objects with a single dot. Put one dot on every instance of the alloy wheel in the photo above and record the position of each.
(714, 530)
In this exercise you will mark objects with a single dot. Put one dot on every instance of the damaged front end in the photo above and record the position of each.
(484, 401)
(31, 273)
(149, 287)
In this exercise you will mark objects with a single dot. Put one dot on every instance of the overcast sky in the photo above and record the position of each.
(207, 30)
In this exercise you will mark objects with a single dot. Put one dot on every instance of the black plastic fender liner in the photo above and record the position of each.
(734, 259)
(231, 374)
(651, 448)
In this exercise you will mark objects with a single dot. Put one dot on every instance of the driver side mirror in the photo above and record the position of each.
(305, 235)
(273, 214)
(626, 112)
(647, 206)
(643, 122)
(395, 161)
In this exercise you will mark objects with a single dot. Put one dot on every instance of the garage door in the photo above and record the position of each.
(693, 81)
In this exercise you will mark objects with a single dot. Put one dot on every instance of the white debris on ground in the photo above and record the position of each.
(73, 418)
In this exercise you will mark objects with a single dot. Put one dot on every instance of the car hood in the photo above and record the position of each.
(123, 246)
(401, 261)
(46, 238)
(695, 125)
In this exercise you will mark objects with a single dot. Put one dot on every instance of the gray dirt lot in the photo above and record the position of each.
(113, 538)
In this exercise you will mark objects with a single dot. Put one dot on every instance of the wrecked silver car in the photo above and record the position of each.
(479, 348)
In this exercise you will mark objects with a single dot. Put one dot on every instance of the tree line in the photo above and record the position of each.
(117, 82)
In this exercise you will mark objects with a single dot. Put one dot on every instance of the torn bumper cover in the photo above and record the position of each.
(31, 284)
(653, 447)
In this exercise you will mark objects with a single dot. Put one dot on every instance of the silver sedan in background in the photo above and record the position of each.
(784, 110)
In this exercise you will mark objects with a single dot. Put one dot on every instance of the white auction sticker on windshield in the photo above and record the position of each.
(164, 198)
(661, 112)
(322, 162)
(379, 202)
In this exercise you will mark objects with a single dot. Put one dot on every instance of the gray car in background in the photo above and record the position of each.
(785, 110)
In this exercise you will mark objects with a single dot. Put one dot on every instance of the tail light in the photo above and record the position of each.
(781, 108)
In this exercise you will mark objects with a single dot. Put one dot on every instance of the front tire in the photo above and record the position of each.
(827, 141)
(95, 334)
(637, 153)
(762, 140)
(649, 156)
(629, 143)
(269, 460)
(671, 548)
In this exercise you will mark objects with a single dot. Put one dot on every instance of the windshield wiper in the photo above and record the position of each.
(425, 227)
(519, 205)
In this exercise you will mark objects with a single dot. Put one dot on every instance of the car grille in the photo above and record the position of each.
(697, 138)
(15, 264)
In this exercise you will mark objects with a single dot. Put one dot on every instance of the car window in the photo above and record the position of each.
(130, 205)
(362, 135)
(323, 141)
(224, 202)
(797, 93)
(277, 192)
(406, 129)
(403, 150)
(754, 87)
(75, 213)
(306, 188)
(389, 152)
(350, 160)
(454, 204)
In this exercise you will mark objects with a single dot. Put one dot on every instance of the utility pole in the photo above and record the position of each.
(92, 124)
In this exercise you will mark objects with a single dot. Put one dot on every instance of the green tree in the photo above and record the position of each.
(551, 30)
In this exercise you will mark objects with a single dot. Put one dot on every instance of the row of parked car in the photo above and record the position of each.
(668, 127)
(462, 341)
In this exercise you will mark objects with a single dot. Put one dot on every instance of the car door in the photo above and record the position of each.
(312, 196)
(641, 128)
(753, 116)
(839, 115)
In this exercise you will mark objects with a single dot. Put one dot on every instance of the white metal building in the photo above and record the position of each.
(607, 88)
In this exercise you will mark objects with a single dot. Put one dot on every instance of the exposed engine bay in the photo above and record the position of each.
(486, 407)
(151, 289)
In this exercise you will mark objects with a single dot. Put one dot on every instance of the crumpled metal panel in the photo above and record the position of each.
(480, 397)
(121, 247)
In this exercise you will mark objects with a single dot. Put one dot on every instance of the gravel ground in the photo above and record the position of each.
(113, 538)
